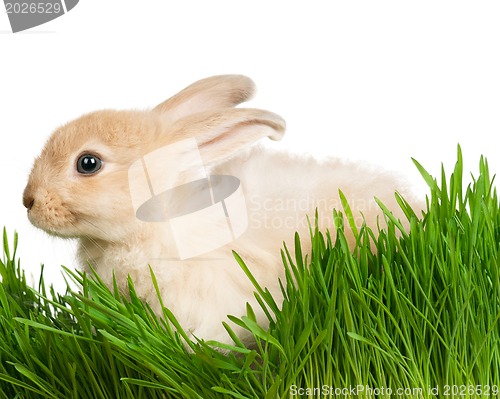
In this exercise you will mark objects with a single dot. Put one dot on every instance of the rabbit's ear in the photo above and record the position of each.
(210, 94)
(220, 135)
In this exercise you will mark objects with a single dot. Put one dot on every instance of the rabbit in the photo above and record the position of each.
(80, 187)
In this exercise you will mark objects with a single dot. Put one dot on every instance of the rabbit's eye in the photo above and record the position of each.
(88, 164)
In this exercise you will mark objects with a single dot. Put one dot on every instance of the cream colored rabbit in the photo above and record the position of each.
(88, 182)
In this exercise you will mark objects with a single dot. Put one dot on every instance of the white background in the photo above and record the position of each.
(373, 81)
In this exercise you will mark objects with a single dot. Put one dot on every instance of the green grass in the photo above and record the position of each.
(416, 310)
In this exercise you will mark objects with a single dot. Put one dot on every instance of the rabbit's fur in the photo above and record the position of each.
(279, 190)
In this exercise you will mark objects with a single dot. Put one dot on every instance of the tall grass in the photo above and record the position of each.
(406, 313)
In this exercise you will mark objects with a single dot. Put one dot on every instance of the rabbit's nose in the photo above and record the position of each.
(28, 202)
(28, 199)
